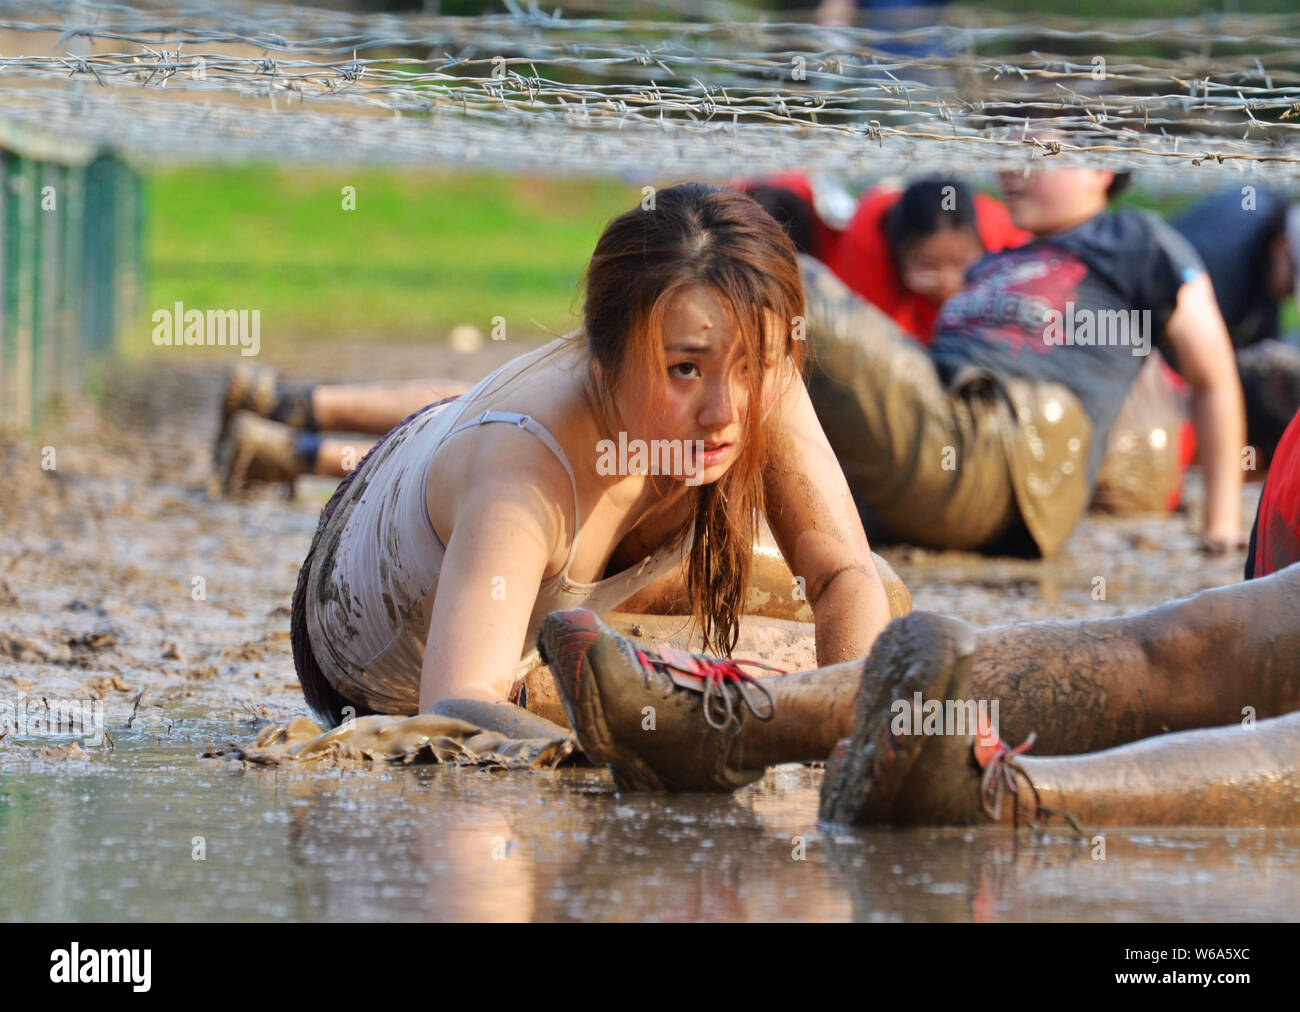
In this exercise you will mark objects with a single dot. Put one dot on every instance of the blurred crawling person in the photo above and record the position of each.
(904, 250)
(993, 439)
(1250, 241)
(907, 251)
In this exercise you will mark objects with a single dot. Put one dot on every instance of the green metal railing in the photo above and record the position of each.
(71, 266)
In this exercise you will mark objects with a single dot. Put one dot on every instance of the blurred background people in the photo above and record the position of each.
(905, 249)
(1250, 241)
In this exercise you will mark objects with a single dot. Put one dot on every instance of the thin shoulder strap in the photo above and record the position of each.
(539, 430)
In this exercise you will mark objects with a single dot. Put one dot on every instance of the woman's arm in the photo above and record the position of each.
(505, 531)
(816, 524)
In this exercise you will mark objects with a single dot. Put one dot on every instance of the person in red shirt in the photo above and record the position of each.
(904, 250)
(907, 250)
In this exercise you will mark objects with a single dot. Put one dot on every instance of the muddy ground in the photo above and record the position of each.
(123, 578)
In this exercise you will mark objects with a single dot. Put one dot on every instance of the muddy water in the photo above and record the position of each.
(123, 582)
(117, 840)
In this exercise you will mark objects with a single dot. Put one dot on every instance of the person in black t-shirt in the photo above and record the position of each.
(1065, 308)
(998, 431)
(1249, 240)
(1241, 234)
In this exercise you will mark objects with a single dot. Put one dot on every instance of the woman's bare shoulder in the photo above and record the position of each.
(493, 461)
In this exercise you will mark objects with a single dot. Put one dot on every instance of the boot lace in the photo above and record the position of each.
(720, 679)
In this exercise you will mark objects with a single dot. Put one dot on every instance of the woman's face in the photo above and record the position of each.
(707, 383)
(935, 267)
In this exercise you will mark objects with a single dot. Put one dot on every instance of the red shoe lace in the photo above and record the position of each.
(718, 678)
(1000, 772)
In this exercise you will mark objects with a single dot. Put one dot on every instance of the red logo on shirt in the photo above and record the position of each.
(1009, 296)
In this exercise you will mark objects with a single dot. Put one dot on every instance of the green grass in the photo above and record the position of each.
(421, 253)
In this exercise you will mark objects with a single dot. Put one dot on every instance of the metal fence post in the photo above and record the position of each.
(71, 265)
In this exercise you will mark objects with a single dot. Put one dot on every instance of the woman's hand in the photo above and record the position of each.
(1222, 543)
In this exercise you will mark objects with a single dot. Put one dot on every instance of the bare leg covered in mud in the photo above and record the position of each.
(887, 772)
(1196, 662)
(273, 431)
(376, 408)
(1086, 685)
(1224, 776)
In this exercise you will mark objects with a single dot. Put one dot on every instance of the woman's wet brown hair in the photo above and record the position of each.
(695, 234)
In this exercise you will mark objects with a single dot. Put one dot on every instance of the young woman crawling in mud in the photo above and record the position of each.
(436, 561)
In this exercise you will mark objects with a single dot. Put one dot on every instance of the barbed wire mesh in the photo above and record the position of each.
(557, 91)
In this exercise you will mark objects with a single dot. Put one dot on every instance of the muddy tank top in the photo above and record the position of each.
(375, 572)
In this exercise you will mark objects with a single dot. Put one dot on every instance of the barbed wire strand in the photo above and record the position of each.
(536, 91)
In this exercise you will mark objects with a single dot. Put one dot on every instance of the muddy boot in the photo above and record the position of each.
(956, 772)
(248, 388)
(258, 389)
(919, 653)
(962, 775)
(661, 720)
(257, 450)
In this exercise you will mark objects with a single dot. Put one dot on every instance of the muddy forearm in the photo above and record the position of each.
(850, 613)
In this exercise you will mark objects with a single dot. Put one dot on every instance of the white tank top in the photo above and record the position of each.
(375, 571)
